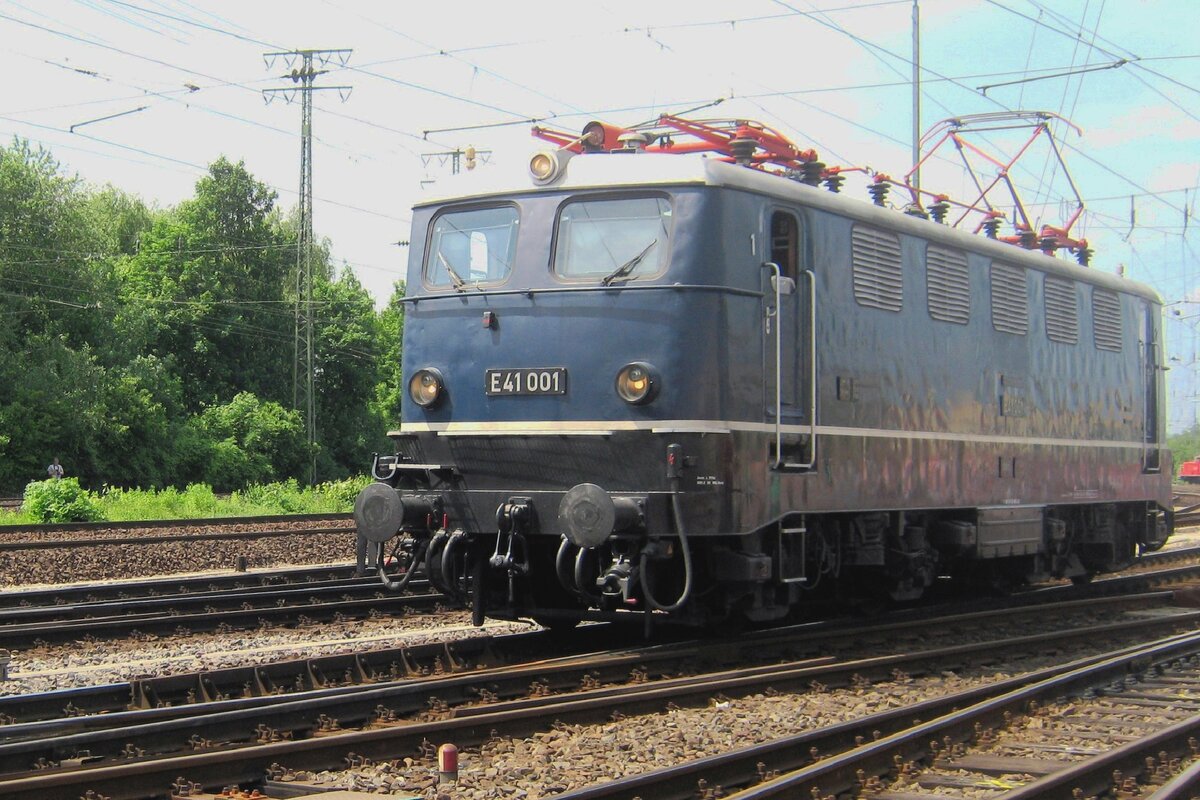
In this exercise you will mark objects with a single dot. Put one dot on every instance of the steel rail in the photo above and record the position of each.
(874, 744)
(189, 688)
(173, 690)
(186, 689)
(19, 634)
(56, 527)
(154, 699)
(217, 600)
(1167, 556)
(1181, 787)
(146, 774)
(163, 587)
(1094, 776)
(161, 538)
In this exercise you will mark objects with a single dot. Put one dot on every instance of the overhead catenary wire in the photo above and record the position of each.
(717, 22)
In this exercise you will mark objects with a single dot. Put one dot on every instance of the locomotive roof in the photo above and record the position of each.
(630, 170)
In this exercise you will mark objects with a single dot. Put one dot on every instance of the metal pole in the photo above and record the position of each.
(306, 235)
(304, 395)
(916, 94)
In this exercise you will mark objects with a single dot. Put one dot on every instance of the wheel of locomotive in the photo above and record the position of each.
(398, 558)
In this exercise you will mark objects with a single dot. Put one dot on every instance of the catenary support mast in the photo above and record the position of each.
(303, 73)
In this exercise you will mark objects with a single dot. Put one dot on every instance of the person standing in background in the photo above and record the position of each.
(55, 470)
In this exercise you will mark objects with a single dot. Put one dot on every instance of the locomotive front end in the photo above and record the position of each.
(562, 353)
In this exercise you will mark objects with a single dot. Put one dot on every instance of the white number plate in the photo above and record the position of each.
(525, 381)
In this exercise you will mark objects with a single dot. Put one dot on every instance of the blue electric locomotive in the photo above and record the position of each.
(643, 385)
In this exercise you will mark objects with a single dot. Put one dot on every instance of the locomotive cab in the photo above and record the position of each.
(572, 355)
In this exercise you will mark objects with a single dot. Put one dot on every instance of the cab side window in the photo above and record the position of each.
(785, 243)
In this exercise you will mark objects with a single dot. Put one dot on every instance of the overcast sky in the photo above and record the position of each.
(832, 74)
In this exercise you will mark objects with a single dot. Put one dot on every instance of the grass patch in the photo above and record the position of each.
(65, 501)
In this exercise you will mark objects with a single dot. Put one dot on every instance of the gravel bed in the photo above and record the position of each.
(1184, 537)
(116, 561)
(49, 667)
(118, 530)
(573, 756)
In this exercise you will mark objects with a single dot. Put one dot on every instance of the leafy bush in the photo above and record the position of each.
(286, 496)
(62, 500)
(340, 495)
(247, 441)
(197, 501)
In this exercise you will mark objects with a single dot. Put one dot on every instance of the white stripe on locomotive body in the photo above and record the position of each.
(609, 171)
(611, 427)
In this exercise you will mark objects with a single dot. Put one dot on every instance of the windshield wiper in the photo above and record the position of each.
(455, 279)
(627, 267)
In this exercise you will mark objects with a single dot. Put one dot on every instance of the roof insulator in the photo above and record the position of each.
(811, 172)
(991, 227)
(879, 192)
(834, 183)
(939, 210)
(742, 150)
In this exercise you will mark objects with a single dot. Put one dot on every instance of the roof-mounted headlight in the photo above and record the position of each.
(546, 165)
(425, 387)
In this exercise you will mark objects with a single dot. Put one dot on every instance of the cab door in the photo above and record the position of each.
(789, 396)
(1151, 370)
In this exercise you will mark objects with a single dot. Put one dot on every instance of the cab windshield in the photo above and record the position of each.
(472, 247)
(612, 240)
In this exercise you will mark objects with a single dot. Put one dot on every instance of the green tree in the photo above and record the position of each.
(1185, 446)
(347, 372)
(106, 425)
(386, 404)
(247, 441)
(49, 282)
(213, 273)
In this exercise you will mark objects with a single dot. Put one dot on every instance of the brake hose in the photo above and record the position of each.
(687, 560)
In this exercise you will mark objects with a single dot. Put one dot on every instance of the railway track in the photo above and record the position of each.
(91, 534)
(241, 601)
(206, 611)
(165, 606)
(166, 587)
(235, 741)
(339, 680)
(931, 744)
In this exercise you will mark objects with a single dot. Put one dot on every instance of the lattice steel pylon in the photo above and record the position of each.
(302, 74)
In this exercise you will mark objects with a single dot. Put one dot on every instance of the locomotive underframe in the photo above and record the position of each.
(941, 509)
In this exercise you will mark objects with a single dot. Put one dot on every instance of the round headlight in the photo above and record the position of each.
(637, 383)
(543, 166)
(425, 387)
